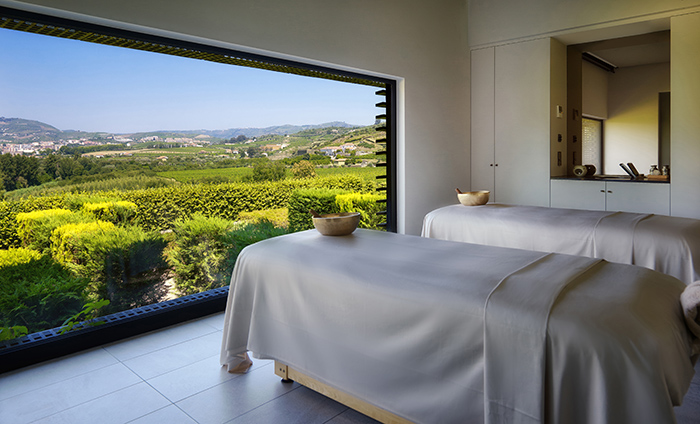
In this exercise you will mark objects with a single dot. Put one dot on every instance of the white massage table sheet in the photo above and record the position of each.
(442, 332)
(667, 244)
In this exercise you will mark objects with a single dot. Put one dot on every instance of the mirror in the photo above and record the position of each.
(625, 82)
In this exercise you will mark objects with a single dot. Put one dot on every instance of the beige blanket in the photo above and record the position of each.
(667, 244)
(444, 332)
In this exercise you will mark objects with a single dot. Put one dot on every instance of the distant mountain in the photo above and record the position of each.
(253, 132)
(24, 130)
(16, 129)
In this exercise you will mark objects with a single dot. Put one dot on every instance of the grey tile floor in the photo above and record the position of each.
(169, 376)
(173, 376)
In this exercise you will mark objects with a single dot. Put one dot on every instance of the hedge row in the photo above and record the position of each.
(159, 208)
(324, 201)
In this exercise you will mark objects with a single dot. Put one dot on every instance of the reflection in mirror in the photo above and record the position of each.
(624, 93)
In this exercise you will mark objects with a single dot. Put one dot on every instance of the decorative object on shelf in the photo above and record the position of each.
(473, 198)
(584, 170)
(654, 170)
(665, 170)
(633, 168)
(335, 224)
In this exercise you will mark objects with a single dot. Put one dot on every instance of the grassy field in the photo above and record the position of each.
(193, 175)
(237, 174)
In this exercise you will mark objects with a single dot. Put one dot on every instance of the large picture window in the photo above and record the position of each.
(107, 233)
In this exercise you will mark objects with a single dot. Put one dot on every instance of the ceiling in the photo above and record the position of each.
(644, 49)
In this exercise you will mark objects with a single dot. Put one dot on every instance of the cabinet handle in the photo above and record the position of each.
(602, 191)
(496, 164)
(490, 164)
(609, 191)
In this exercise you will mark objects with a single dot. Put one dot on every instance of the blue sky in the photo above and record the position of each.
(83, 86)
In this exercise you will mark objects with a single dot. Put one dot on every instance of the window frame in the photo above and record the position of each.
(51, 344)
(601, 121)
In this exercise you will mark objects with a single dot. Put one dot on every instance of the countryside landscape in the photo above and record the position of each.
(93, 223)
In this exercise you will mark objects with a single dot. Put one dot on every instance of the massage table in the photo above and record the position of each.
(432, 331)
(667, 244)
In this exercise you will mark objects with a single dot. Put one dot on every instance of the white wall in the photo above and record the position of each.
(498, 21)
(631, 132)
(422, 43)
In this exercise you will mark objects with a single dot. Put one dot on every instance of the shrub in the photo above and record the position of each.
(119, 212)
(12, 257)
(75, 202)
(35, 228)
(268, 171)
(199, 253)
(125, 264)
(366, 204)
(66, 240)
(249, 234)
(303, 169)
(10, 333)
(39, 293)
(278, 217)
(8, 216)
(301, 201)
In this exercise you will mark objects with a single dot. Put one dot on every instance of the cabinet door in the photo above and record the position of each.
(638, 197)
(482, 125)
(685, 125)
(589, 195)
(522, 114)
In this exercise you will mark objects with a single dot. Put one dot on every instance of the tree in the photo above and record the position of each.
(268, 171)
(254, 151)
(49, 165)
(68, 167)
(352, 159)
(304, 169)
(19, 171)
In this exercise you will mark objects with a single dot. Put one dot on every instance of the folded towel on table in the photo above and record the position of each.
(690, 300)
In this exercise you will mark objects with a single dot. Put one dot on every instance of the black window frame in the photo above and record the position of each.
(50, 344)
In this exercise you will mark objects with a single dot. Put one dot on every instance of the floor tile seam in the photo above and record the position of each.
(209, 317)
(161, 331)
(169, 371)
(263, 404)
(156, 410)
(338, 414)
(63, 380)
(216, 385)
(186, 413)
(165, 347)
(86, 401)
(172, 402)
(148, 380)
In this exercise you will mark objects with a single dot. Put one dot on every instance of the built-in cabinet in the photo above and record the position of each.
(510, 121)
(515, 128)
(618, 196)
(685, 125)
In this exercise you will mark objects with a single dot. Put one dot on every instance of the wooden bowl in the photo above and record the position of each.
(337, 224)
(474, 198)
